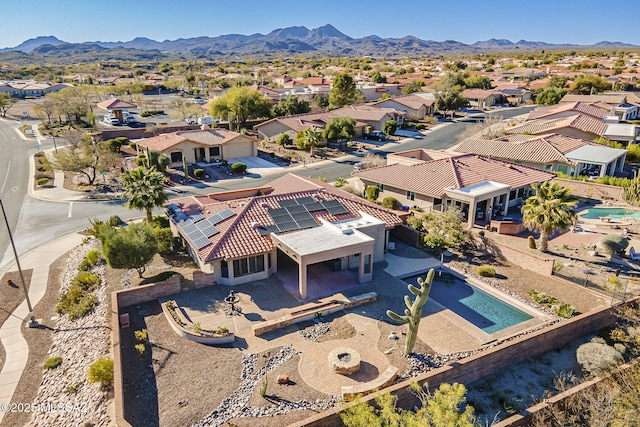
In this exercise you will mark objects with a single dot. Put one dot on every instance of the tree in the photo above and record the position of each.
(156, 159)
(413, 312)
(143, 190)
(444, 408)
(312, 137)
(376, 77)
(283, 139)
(558, 81)
(241, 103)
(84, 156)
(131, 247)
(590, 84)
(444, 230)
(551, 95)
(480, 82)
(343, 92)
(412, 87)
(321, 100)
(291, 105)
(340, 128)
(450, 100)
(389, 127)
(614, 243)
(6, 101)
(550, 209)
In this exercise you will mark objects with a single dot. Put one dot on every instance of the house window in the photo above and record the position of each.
(214, 151)
(380, 187)
(224, 268)
(176, 156)
(250, 265)
(548, 167)
(411, 195)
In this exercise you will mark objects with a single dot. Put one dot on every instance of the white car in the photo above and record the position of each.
(207, 120)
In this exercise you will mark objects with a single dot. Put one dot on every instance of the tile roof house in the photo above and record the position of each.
(438, 181)
(205, 145)
(481, 98)
(567, 109)
(239, 236)
(577, 125)
(552, 152)
(415, 106)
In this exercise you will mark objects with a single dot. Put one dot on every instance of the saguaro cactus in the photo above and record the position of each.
(413, 312)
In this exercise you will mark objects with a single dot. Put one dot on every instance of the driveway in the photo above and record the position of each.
(256, 165)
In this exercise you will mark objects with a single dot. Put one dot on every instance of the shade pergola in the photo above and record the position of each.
(116, 106)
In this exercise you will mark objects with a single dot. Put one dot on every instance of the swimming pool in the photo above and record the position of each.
(614, 213)
(478, 307)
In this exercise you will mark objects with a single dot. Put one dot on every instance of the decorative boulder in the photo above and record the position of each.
(283, 379)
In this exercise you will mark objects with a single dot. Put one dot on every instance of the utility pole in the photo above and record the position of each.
(32, 321)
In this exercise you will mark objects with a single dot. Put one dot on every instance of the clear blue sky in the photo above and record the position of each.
(552, 21)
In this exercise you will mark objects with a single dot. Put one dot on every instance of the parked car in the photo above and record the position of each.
(197, 101)
(376, 134)
(191, 120)
(206, 120)
(110, 120)
(129, 118)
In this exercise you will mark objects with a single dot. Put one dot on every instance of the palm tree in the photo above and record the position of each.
(312, 137)
(550, 209)
(143, 190)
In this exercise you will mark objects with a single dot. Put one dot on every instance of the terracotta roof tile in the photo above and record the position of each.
(577, 107)
(579, 121)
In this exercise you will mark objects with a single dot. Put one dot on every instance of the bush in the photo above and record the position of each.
(42, 181)
(532, 242)
(140, 348)
(420, 126)
(53, 362)
(614, 243)
(133, 145)
(340, 182)
(115, 221)
(372, 193)
(391, 203)
(76, 302)
(164, 236)
(140, 160)
(222, 331)
(198, 173)
(565, 310)
(283, 139)
(160, 221)
(86, 281)
(101, 371)
(141, 335)
(486, 271)
(238, 168)
(93, 256)
(596, 357)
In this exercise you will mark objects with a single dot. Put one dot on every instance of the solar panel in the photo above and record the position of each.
(302, 215)
(278, 212)
(307, 223)
(196, 217)
(305, 200)
(331, 203)
(338, 210)
(288, 226)
(207, 228)
(296, 209)
(214, 219)
(201, 242)
(188, 226)
(262, 231)
(227, 213)
(313, 207)
(180, 216)
(287, 203)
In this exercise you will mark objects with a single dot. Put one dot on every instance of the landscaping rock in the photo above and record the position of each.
(283, 379)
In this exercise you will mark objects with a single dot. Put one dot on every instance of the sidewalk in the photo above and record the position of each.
(16, 348)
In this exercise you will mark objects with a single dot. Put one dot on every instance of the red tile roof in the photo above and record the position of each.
(238, 235)
(115, 104)
(433, 177)
(577, 107)
(580, 122)
(205, 137)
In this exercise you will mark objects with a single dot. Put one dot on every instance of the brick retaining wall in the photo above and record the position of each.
(139, 294)
(485, 363)
(203, 280)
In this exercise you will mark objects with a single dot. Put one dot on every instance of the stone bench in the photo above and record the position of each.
(385, 380)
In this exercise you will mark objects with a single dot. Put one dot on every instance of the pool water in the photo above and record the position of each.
(477, 307)
(614, 213)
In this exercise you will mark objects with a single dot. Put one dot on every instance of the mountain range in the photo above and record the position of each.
(325, 40)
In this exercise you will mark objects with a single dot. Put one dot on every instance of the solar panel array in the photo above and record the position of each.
(295, 214)
(195, 228)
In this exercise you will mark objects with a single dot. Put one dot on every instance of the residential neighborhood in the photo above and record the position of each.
(284, 229)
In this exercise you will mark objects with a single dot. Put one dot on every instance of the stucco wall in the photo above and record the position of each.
(239, 148)
(140, 294)
(592, 190)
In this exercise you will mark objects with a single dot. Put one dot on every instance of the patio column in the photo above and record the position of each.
(603, 169)
(471, 217)
(302, 279)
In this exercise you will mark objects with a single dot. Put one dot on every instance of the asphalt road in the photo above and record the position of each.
(41, 222)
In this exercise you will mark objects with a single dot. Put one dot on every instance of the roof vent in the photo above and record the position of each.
(264, 205)
(255, 225)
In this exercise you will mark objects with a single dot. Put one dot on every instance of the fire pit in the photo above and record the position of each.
(344, 360)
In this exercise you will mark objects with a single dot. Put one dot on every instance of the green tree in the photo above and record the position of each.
(84, 156)
(550, 95)
(343, 92)
(631, 192)
(412, 87)
(312, 137)
(321, 101)
(131, 247)
(156, 159)
(445, 230)
(340, 128)
(444, 408)
(240, 104)
(144, 190)
(290, 105)
(480, 82)
(6, 101)
(389, 127)
(283, 139)
(590, 84)
(550, 209)
(450, 100)
(376, 77)
(558, 81)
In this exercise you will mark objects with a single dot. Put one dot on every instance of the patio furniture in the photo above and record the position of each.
(633, 254)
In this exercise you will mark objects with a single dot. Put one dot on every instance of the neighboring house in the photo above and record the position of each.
(480, 98)
(625, 133)
(373, 91)
(415, 106)
(568, 109)
(364, 115)
(205, 146)
(438, 181)
(30, 88)
(577, 125)
(618, 104)
(293, 223)
(552, 152)
(513, 93)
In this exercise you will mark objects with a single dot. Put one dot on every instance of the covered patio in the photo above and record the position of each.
(597, 160)
(481, 201)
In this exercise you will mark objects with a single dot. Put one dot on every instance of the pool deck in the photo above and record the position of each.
(441, 329)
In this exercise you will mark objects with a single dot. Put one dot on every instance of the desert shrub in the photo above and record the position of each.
(283, 139)
(222, 330)
(542, 298)
(532, 242)
(93, 256)
(164, 236)
(614, 243)
(101, 371)
(372, 193)
(420, 126)
(340, 182)
(76, 303)
(596, 357)
(53, 362)
(42, 181)
(198, 173)
(133, 145)
(565, 310)
(140, 348)
(486, 271)
(115, 221)
(141, 335)
(86, 281)
(197, 328)
(391, 203)
(238, 168)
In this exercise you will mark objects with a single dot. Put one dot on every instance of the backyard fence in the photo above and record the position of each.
(617, 292)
